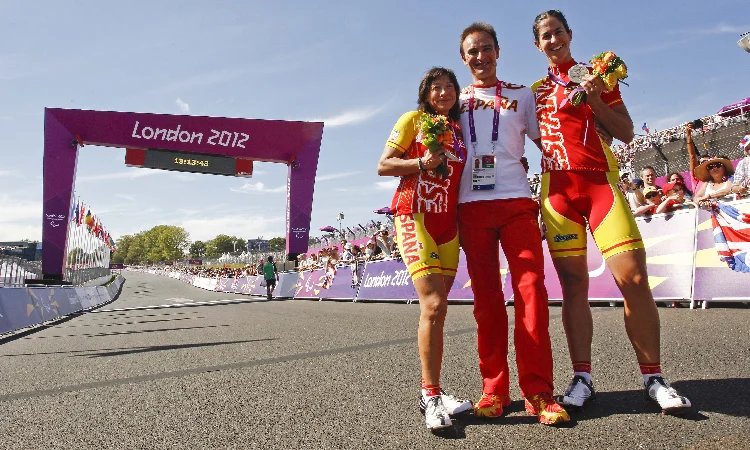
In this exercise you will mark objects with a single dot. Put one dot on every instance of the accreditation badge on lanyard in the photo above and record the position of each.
(483, 166)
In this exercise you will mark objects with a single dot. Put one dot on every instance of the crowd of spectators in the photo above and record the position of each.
(381, 245)
(625, 153)
(213, 272)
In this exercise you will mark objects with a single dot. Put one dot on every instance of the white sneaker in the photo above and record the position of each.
(435, 415)
(452, 404)
(660, 392)
(578, 393)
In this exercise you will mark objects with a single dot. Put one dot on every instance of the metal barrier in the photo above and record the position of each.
(14, 271)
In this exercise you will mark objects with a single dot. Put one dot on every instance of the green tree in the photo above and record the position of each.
(136, 250)
(198, 249)
(123, 244)
(224, 244)
(277, 244)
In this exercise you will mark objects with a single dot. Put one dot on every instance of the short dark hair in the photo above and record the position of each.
(270, 258)
(478, 27)
(424, 90)
(648, 167)
(556, 13)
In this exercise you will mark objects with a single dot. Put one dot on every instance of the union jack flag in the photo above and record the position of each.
(732, 236)
(645, 128)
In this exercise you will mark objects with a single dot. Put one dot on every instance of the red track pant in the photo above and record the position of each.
(513, 223)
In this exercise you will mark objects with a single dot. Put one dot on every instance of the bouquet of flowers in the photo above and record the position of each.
(435, 134)
(610, 68)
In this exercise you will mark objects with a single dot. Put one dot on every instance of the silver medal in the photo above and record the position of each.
(577, 72)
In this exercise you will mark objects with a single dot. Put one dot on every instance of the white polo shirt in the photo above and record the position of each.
(517, 120)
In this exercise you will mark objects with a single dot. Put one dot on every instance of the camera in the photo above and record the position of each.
(697, 124)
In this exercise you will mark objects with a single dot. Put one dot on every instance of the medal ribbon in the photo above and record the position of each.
(495, 118)
(457, 146)
(557, 80)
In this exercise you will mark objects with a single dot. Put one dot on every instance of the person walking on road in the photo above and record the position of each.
(270, 274)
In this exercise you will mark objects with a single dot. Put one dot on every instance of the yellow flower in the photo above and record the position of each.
(609, 56)
(621, 71)
(610, 80)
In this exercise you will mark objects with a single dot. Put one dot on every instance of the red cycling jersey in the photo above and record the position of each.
(583, 149)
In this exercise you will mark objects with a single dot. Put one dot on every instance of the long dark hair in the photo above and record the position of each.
(424, 91)
(557, 14)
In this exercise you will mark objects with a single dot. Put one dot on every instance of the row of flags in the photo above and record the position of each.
(82, 216)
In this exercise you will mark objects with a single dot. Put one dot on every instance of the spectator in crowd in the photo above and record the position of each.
(676, 177)
(384, 241)
(632, 194)
(635, 194)
(741, 182)
(675, 198)
(370, 250)
(301, 262)
(347, 256)
(653, 200)
(259, 267)
(648, 175)
(312, 262)
(715, 172)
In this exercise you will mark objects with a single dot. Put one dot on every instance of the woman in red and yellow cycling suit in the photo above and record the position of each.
(579, 188)
(425, 208)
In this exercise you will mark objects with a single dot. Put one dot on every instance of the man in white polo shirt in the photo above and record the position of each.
(495, 207)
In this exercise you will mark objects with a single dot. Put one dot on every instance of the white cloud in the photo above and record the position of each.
(720, 28)
(20, 219)
(351, 117)
(127, 175)
(387, 185)
(335, 176)
(184, 107)
(258, 186)
(129, 198)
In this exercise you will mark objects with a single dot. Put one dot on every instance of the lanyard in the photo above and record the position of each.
(495, 118)
(456, 145)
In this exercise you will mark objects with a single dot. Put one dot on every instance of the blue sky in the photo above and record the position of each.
(355, 65)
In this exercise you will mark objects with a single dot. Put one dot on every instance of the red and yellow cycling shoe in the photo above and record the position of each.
(547, 409)
(491, 405)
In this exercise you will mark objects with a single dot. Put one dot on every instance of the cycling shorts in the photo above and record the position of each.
(428, 243)
(573, 199)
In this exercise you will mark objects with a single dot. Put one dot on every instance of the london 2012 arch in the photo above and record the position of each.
(211, 145)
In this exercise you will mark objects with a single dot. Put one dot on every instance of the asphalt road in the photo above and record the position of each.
(305, 374)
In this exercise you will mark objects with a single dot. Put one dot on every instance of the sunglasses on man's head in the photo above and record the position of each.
(714, 166)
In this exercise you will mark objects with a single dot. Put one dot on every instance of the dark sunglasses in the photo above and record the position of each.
(714, 166)
(652, 194)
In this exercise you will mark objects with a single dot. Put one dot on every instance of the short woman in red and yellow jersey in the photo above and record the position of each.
(579, 188)
(425, 209)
